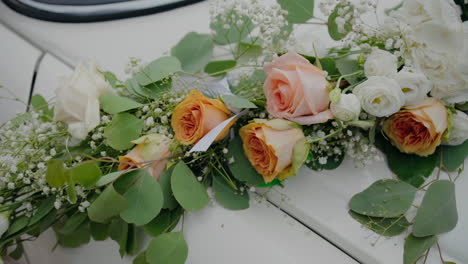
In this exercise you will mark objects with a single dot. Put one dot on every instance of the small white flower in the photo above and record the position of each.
(158, 110)
(414, 85)
(199, 178)
(380, 96)
(348, 108)
(380, 63)
(145, 108)
(164, 119)
(252, 189)
(225, 150)
(57, 204)
(11, 185)
(459, 134)
(149, 122)
(323, 160)
(231, 160)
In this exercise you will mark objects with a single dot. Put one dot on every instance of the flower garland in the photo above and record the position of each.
(114, 155)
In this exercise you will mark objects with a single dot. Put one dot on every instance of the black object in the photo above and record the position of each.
(79, 11)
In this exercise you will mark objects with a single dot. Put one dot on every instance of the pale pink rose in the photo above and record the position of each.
(296, 90)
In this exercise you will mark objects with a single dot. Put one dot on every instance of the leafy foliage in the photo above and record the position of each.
(228, 197)
(333, 27)
(233, 34)
(299, 11)
(167, 248)
(107, 205)
(241, 169)
(114, 104)
(454, 156)
(219, 68)
(158, 69)
(415, 247)
(165, 222)
(86, 174)
(122, 130)
(194, 51)
(190, 194)
(387, 227)
(237, 101)
(438, 211)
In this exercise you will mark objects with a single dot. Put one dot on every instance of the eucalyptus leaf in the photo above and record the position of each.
(80, 237)
(71, 193)
(123, 128)
(140, 259)
(108, 178)
(165, 181)
(237, 101)
(190, 193)
(387, 227)
(72, 223)
(167, 248)
(247, 51)
(329, 65)
(118, 231)
(108, 204)
(299, 11)
(454, 156)
(415, 247)
(145, 200)
(332, 162)
(228, 197)
(219, 68)
(194, 51)
(99, 231)
(158, 69)
(44, 208)
(111, 78)
(55, 174)
(17, 225)
(39, 103)
(86, 174)
(462, 106)
(241, 168)
(132, 241)
(410, 168)
(114, 104)
(165, 222)
(348, 66)
(438, 211)
(384, 198)
(234, 33)
(18, 252)
(333, 27)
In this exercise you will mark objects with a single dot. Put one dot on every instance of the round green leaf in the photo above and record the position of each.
(237, 101)
(438, 211)
(17, 225)
(194, 51)
(108, 204)
(86, 174)
(55, 174)
(145, 200)
(165, 180)
(299, 11)
(118, 231)
(219, 68)
(158, 69)
(387, 227)
(72, 223)
(46, 206)
(384, 198)
(108, 178)
(454, 156)
(415, 247)
(190, 193)
(114, 104)
(234, 33)
(228, 197)
(241, 168)
(165, 222)
(140, 259)
(122, 130)
(99, 231)
(333, 27)
(167, 248)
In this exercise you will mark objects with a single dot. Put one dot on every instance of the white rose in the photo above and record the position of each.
(380, 96)
(459, 131)
(380, 63)
(4, 222)
(348, 108)
(77, 99)
(414, 85)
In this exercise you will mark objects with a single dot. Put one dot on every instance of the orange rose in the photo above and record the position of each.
(418, 128)
(149, 147)
(196, 115)
(269, 146)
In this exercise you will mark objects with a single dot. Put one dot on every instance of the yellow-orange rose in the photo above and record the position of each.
(196, 115)
(149, 147)
(418, 128)
(269, 146)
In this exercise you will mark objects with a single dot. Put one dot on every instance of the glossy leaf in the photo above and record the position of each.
(165, 181)
(333, 27)
(454, 156)
(167, 248)
(108, 204)
(158, 69)
(415, 247)
(228, 197)
(86, 174)
(387, 227)
(438, 211)
(241, 168)
(299, 11)
(410, 168)
(194, 51)
(384, 198)
(145, 200)
(233, 34)
(190, 193)
(114, 104)
(219, 68)
(123, 128)
(99, 231)
(44, 208)
(237, 101)
(55, 174)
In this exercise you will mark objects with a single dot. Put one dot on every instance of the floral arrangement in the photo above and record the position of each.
(108, 157)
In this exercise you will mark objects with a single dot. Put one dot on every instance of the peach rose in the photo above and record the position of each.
(269, 146)
(418, 128)
(296, 90)
(149, 147)
(196, 115)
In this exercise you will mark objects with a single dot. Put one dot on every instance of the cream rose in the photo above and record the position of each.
(380, 96)
(459, 133)
(196, 115)
(296, 90)
(348, 108)
(269, 146)
(77, 99)
(380, 63)
(149, 147)
(418, 129)
(414, 85)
